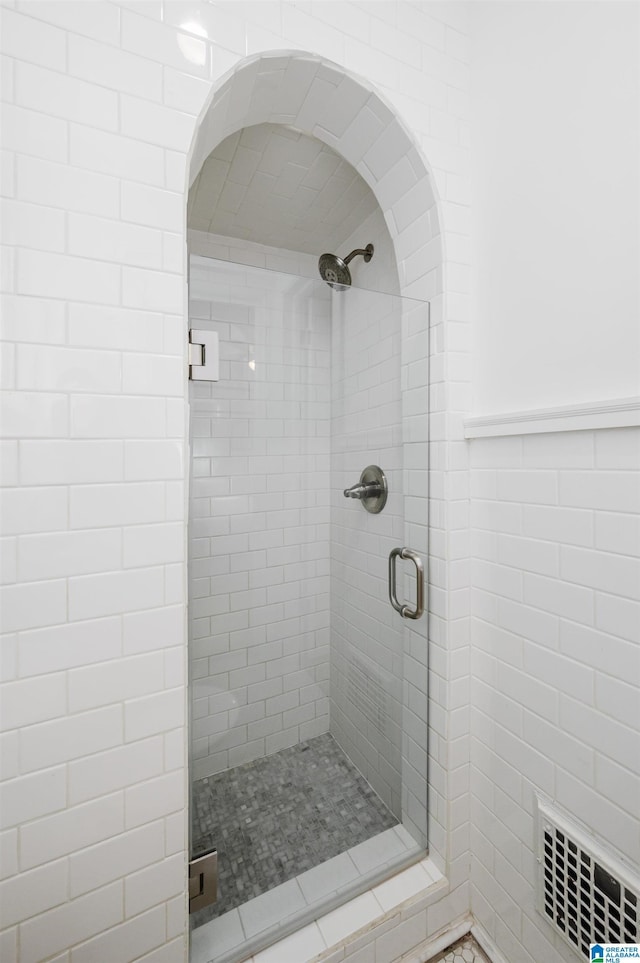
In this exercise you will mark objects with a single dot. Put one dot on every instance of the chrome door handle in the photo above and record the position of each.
(405, 611)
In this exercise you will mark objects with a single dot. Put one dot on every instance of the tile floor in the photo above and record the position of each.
(465, 950)
(277, 817)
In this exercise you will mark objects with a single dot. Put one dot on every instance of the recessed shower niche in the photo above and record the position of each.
(308, 688)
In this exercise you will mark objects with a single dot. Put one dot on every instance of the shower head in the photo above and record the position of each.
(334, 270)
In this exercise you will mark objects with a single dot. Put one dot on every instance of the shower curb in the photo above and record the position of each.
(401, 912)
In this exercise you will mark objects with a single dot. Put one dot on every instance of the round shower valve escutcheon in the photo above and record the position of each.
(371, 490)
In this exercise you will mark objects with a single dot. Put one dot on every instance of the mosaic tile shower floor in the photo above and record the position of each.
(277, 817)
(465, 950)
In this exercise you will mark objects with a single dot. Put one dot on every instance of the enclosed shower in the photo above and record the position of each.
(307, 546)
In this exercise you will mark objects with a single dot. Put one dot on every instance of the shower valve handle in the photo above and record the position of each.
(371, 490)
(362, 491)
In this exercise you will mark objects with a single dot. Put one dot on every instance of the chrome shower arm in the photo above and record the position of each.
(367, 253)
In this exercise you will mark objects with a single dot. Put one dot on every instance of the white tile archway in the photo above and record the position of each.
(346, 113)
(322, 99)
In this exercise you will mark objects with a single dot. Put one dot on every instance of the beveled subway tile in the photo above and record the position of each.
(107, 153)
(27, 414)
(117, 69)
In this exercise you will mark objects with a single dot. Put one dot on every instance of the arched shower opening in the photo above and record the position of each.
(304, 675)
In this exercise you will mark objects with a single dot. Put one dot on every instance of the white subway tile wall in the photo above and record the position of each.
(367, 635)
(556, 666)
(259, 529)
(100, 108)
(281, 188)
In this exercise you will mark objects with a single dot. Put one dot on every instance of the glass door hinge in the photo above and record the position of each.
(203, 881)
(204, 355)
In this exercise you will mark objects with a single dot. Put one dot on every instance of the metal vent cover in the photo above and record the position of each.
(586, 894)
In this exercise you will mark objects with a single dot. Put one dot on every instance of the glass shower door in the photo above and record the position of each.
(301, 671)
(380, 351)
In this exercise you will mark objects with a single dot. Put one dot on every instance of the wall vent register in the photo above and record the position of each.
(586, 894)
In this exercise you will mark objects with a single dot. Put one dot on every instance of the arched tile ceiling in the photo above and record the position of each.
(275, 185)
